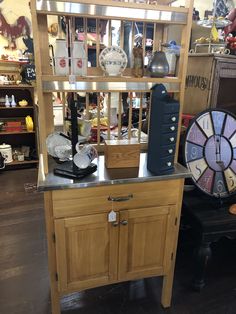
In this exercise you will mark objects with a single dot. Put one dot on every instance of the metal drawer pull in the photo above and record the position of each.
(124, 222)
(115, 223)
(120, 198)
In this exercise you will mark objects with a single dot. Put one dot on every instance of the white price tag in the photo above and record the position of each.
(112, 216)
(72, 79)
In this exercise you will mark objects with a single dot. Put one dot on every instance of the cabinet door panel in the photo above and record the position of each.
(86, 249)
(143, 242)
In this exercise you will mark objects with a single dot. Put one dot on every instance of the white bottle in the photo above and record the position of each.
(13, 102)
(7, 102)
(61, 58)
(79, 60)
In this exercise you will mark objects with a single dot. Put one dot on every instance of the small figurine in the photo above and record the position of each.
(7, 102)
(53, 29)
(28, 41)
(29, 124)
(13, 103)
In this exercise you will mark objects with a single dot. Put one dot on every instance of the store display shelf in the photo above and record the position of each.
(115, 10)
(16, 132)
(108, 84)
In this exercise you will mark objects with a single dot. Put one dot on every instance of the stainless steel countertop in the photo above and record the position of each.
(104, 176)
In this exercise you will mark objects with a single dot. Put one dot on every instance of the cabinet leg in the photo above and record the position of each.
(55, 302)
(52, 266)
(167, 288)
(202, 257)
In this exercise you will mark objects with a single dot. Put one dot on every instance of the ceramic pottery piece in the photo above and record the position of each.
(158, 66)
(79, 60)
(61, 58)
(6, 152)
(113, 60)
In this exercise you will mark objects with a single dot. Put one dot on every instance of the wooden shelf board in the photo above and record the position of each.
(108, 84)
(12, 133)
(6, 86)
(162, 14)
(17, 107)
(25, 162)
(13, 62)
(156, 7)
(167, 79)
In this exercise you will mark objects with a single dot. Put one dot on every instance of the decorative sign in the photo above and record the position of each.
(28, 72)
(12, 31)
(197, 82)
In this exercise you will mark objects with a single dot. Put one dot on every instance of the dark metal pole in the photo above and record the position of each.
(74, 126)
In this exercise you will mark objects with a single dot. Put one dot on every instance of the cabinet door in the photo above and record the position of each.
(86, 251)
(145, 242)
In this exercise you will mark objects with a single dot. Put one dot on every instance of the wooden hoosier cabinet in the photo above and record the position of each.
(86, 248)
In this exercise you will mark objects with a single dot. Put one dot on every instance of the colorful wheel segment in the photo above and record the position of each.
(210, 152)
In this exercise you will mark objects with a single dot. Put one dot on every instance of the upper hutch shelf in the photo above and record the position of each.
(114, 10)
(52, 83)
(154, 22)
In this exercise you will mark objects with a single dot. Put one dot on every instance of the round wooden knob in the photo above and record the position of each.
(232, 209)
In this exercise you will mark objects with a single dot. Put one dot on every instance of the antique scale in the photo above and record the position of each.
(210, 152)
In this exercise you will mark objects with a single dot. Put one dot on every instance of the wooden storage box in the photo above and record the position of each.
(210, 83)
(122, 153)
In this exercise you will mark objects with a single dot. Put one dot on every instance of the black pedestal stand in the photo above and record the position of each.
(69, 169)
(208, 221)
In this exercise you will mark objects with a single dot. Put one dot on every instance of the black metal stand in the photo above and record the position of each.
(69, 168)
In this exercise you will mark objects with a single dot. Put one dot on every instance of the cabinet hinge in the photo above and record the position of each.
(172, 256)
(54, 237)
(176, 220)
(56, 276)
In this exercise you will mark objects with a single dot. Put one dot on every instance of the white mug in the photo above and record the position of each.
(84, 156)
(21, 157)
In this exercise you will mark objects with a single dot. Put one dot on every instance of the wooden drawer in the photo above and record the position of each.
(67, 203)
